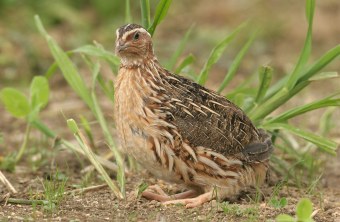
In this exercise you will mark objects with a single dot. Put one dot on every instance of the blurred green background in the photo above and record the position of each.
(75, 23)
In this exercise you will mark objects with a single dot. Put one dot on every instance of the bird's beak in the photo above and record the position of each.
(121, 46)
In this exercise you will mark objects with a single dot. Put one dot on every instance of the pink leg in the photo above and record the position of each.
(162, 196)
(193, 202)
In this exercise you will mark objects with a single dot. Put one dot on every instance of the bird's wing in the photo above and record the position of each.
(204, 118)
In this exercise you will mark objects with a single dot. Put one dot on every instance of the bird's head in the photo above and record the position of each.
(133, 44)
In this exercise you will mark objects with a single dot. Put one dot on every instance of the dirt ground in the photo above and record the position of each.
(279, 47)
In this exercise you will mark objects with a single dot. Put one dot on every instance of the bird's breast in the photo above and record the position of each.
(134, 120)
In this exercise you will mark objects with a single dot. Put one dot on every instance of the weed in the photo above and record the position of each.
(54, 188)
(141, 188)
(8, 162)
(17, 104)
(84, 145)
(274, 200)
(252, 212)
(303, 213)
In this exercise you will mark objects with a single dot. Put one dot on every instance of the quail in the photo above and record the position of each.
(182, 132)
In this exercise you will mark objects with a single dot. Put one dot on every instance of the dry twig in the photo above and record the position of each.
(7, 183)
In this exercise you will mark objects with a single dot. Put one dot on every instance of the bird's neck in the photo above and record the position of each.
(147, 67)
(137, 61)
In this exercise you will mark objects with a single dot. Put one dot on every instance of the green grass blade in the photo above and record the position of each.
(275, 87)
(179, 50)
(43, 128)
(216, 54)
(49, 133)
(327, 58)
(324, 75)
(324, 144)
(145, 13)
(265, 75)
(112, 146)
(245, 86)
(161, 11)
(235, 64)
(284, 94)
(91, 50)
(128, 16)
(92, 157)
(307, 48)
(326, 102)
(68, 69)
(327, 121)
(107, 87)
(186, 62)
(95, 73)
(270, 105)
(244, 91)
(51, 70)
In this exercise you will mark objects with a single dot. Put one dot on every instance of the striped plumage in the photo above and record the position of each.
(180, 131)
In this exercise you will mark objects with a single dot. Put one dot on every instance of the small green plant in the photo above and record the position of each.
(8, 162)
(54, 189)
(141, 188)
(278, 202)
(275, 201)
(20, 106)
(252, 212)
(304, 210)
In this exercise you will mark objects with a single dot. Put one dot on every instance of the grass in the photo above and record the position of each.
(54, 189)
(259, 101)
(251, 212)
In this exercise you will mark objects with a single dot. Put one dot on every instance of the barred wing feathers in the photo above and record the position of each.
(207, 119)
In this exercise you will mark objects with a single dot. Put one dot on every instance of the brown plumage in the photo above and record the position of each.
(180, 131)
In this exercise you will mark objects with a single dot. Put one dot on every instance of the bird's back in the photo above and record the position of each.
(206, 119)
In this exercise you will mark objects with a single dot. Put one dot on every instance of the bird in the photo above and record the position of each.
(182, 132)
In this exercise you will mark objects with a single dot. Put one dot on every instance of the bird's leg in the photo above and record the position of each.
(193, 202)
(156, 194)
(163, 197)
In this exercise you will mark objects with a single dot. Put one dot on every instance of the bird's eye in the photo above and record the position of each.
(136, 36)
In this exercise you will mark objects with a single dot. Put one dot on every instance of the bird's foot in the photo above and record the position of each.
(158, 194)
(192, 202)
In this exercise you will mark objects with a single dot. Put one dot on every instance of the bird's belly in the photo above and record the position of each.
(138, 144)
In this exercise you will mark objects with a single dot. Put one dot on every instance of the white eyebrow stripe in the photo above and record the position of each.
(117, 33)
(127, 26)
(126, 34)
